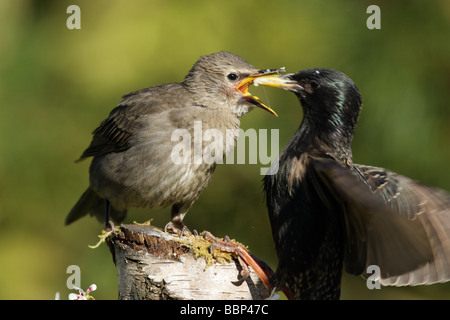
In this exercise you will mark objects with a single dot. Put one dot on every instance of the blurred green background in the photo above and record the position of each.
(57, 85)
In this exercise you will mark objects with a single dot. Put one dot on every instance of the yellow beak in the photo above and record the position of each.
(278, 81)
(242, 87)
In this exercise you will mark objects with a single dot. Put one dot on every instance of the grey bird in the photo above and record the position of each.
(133, 148)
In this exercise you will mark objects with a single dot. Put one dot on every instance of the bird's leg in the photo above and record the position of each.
(244, 258)
(108, 223)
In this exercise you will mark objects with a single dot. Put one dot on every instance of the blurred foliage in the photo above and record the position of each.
(56, 85)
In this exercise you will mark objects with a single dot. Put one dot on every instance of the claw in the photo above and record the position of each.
(244, 273)
(244, 257)
(170, 226)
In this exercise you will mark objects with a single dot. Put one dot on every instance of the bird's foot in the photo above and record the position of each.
(184, 231)
(244, 258)
(109, 226)
(227, 246)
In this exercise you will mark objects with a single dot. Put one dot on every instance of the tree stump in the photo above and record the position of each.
(154, 265)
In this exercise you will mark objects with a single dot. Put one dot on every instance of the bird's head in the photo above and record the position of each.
(330, 99)
(221, 80)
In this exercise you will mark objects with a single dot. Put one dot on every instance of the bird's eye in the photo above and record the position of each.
(232, 76)
(314, 84)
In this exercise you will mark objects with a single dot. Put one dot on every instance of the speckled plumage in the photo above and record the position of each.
(328, 213)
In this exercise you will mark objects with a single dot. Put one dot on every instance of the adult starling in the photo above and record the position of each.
(133, 148)
(327, 212)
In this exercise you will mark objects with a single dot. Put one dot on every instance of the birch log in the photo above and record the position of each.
(154, 265)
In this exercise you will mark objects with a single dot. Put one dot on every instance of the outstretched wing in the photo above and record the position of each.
(429, 206)
(375, 233)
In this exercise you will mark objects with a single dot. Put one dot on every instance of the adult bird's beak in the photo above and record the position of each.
(242, 87)
(279, 81)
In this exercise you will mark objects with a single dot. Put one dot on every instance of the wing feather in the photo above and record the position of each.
(429, 206)
(375, 233)
(115, 132)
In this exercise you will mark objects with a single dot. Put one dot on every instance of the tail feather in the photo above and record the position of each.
(90, 202)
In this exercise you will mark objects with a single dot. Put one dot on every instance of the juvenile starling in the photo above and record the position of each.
(327, 212)
(132, 149)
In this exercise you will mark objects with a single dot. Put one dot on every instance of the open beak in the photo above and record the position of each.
(242, 87)
(279, 81)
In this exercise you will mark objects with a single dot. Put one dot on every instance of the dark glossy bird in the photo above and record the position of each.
(328, 213)
(134, 148)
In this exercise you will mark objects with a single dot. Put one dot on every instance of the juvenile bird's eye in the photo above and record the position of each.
(232, 76)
